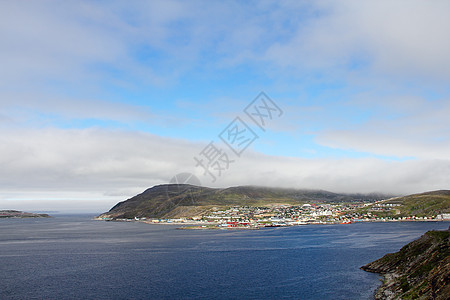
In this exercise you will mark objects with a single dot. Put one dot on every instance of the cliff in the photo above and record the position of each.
(420, 270)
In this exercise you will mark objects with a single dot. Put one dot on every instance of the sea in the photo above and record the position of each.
(75, 257)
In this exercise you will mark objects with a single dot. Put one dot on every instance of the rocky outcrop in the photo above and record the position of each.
(20, 214)
(420, 270)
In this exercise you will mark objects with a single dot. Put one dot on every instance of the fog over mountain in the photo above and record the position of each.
(101, 100)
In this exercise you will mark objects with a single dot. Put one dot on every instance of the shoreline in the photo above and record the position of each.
(192, 225)
(418, 270)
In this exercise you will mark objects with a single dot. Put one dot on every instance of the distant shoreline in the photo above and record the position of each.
(192, 225)
(15, 214)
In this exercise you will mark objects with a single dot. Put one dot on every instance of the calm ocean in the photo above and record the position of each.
(73, 257)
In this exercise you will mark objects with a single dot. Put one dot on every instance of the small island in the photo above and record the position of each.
(420, 270)
(20, 214)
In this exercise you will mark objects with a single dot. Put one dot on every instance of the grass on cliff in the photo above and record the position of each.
(423, 205)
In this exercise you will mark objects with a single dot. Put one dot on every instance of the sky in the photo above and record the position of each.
(100, 100)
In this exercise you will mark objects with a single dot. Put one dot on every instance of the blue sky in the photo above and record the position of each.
(102, 99)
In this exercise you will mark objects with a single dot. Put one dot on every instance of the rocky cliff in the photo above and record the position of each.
(420, 270)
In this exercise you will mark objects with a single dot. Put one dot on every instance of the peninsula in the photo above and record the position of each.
(420, 270)
(20, 214)
(249, 206)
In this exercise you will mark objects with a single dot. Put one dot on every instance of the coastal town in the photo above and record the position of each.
(281, 215)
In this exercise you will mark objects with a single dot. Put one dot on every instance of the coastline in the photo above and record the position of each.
(16, 214)
(420, 269)
(139, 251)
(197, 225)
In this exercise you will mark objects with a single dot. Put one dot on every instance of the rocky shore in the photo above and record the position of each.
(420, 270)
(20, 214)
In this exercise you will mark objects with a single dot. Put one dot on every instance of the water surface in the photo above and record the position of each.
(74, 257)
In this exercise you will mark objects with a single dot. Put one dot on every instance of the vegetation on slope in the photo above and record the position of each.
(20, 214)
(420, 270)
(429, 204)
(424, 204)
(164, 200)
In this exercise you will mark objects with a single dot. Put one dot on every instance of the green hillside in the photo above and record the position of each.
(420, 270)
(422, 205)
(171, 199)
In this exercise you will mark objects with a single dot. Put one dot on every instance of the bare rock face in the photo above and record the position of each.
(420, 270)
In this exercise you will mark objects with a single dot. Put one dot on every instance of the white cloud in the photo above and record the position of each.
(107, 165)
(402, 39)
(71, 159)
(414, 127)
(42, 39)
(342, 175)
(57, 60)
(79, 42)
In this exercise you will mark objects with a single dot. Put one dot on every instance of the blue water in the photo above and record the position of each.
(74, 257)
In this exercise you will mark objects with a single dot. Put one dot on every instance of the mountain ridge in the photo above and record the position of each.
(421, 204)
(163, 200)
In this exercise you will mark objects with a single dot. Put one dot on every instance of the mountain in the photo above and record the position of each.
(20, 214)
(420, 270)
(174, 200)
(421, 205)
